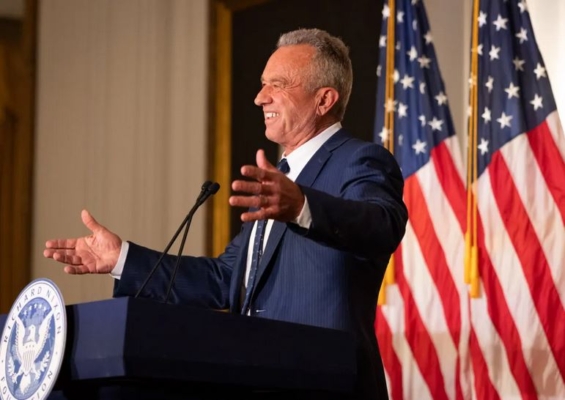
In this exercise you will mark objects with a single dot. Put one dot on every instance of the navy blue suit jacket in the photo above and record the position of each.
(328, 275)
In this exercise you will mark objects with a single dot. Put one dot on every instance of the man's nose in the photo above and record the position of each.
(262, 97)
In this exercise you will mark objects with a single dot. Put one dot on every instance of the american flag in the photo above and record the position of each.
(436, 341)
(517, 343)
(422, 327)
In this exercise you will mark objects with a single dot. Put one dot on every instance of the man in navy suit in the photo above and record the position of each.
(318, 232)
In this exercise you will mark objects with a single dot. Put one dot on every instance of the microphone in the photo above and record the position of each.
(208, 189)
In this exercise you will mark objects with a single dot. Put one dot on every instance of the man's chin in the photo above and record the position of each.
(272, 136)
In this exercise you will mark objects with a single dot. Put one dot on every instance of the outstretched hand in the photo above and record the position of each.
(270, 192)
(94, 254)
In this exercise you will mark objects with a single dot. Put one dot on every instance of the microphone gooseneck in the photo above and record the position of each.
(208, 189)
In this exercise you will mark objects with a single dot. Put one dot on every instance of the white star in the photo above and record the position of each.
(395, 76)
(486, 115)
(407, 82)
(386, 12)
(472, 80)
(382, 41)
(422, 119)
(390, 105)
(482, 19)
(400, 17)
(493, 53)
(500, 23)
(512, 91)
(522, 6)
(424, 62)
(441, 98)
(537, 102)
(504, 120)
(415, 25)
(384, 134)
(414, 2)
(480, 49)
(402, 110)
(419, 146)
(398, 45)
(518, 64)
(428, 38)
(539, 71)
(435, 124)
(483, 147)
(422, 88)
(489, 83)
(413, 53)
(379, 68)
(400, 139)
(523, 35)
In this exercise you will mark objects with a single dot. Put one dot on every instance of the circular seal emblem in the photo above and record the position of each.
(33, 342)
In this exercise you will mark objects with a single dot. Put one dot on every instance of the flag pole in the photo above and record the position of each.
(389, 126)
(471, 261)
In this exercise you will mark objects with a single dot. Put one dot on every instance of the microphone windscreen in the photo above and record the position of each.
(214, 187)
(206, 185)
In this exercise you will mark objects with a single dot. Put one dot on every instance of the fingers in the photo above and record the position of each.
(263, 213)
(260, 201)
(262, 161)
(90, 222)
(76, 269)
(69, 258)
(61, 244)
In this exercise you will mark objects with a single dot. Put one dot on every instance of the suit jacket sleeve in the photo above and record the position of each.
(367, 217)
(200, 281)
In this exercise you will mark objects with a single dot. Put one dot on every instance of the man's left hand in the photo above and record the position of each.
(270, 192)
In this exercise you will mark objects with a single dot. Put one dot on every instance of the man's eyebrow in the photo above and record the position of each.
(277, 79)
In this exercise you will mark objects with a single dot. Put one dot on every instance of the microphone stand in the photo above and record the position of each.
(208, 189)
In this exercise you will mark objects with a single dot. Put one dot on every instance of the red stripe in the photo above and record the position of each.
(434, 256)
(390, 360)
(532, 258)
(550, 162)
(454, 191)
(502, 320)
(484, 388)
(419, 339)
(451, 182)
(458, 389)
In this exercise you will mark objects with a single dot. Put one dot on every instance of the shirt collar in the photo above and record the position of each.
(298, 159)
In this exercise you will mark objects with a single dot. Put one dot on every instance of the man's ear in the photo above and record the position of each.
(327, 97)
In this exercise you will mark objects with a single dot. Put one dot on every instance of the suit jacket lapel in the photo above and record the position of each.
(306, 178)
(275, 237)
(236, 283)
(319, 159)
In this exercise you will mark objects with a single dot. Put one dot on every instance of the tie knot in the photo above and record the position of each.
(283, 166)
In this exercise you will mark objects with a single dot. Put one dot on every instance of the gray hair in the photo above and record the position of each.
(331, 66)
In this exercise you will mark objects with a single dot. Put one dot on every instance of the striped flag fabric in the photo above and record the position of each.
(472, 306)
(422, 322)
(517, 211)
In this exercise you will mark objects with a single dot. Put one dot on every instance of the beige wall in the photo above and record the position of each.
(548, 18)
(121, 124)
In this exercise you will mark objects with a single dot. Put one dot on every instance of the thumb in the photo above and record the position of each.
(90, 222)
(262, 161)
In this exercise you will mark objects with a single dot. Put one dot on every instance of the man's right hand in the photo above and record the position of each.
(94, 254)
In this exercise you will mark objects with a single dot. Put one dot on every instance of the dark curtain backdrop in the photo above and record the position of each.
(255, 32)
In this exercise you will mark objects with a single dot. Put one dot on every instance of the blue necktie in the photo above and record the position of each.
(258, 248)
